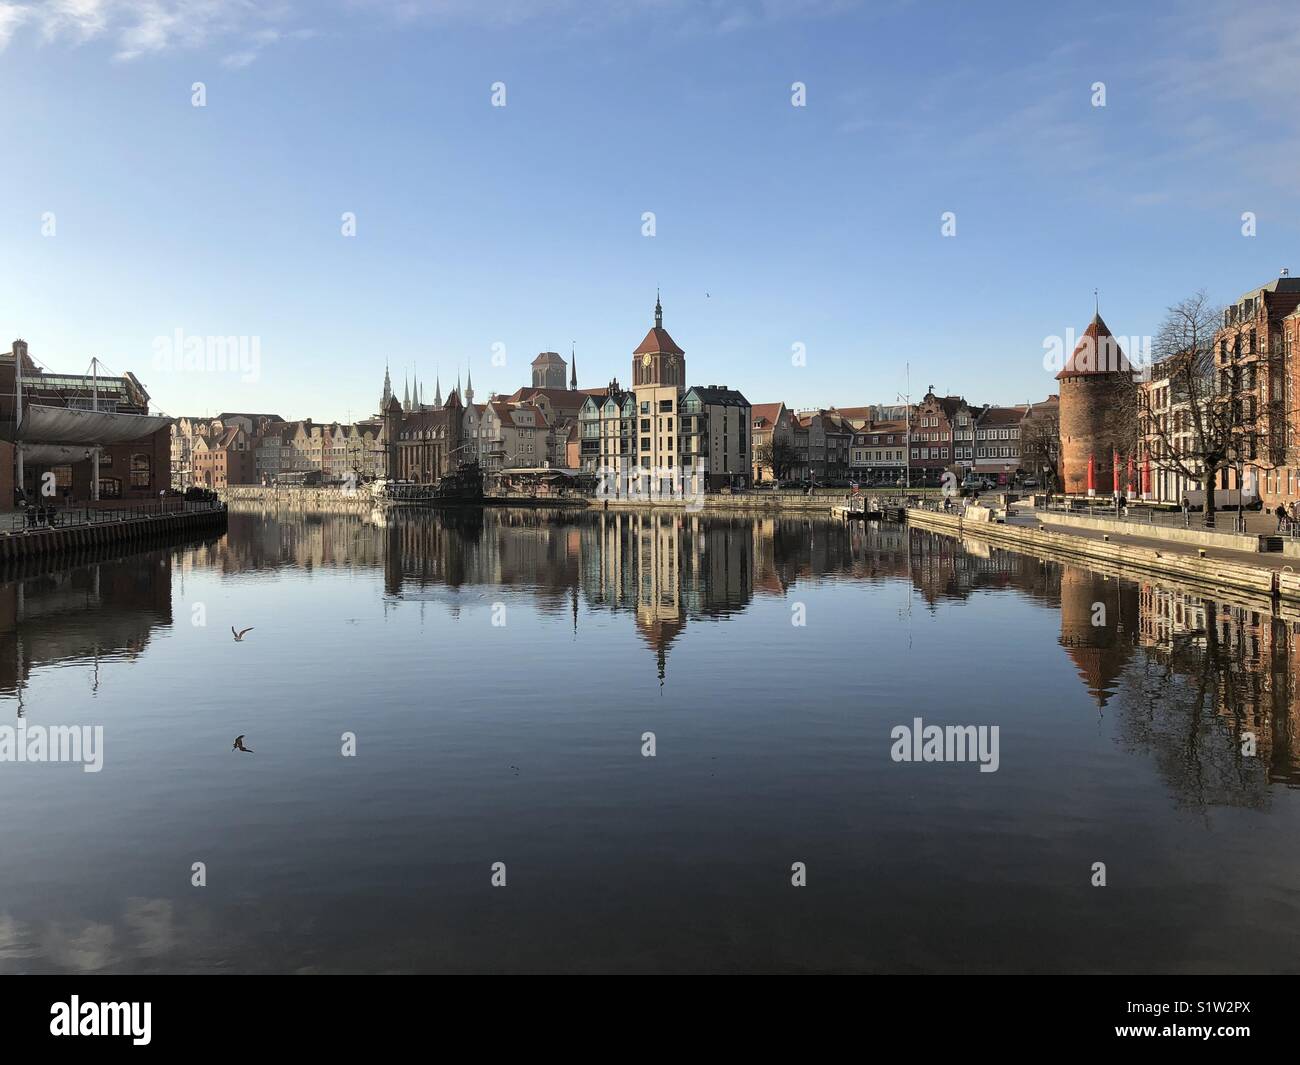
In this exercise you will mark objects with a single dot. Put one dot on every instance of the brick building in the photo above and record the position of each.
(61, 454)
(1257, 342)
(936, 421)
(1098, 416)
(223, 459)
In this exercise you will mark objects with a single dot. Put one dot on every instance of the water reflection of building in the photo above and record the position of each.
(1099, 627)
(86, 613)
(667, 567)
(943, 568)
(1240, 663)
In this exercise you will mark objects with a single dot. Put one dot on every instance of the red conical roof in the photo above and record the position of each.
(1098, 352)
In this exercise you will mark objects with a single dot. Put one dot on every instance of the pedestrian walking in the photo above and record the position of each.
(1281, 516)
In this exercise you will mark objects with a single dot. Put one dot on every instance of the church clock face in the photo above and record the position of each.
(646, 360)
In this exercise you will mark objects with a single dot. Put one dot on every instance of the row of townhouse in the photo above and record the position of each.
(235, 448)
(1255, 365)
(897, 444)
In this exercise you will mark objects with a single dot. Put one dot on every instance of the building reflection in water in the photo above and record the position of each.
(101, 606)
(1189, 678)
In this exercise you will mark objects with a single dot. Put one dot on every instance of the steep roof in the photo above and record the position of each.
(505, 412)
(548, 358)
(658, 341)
(767, 412)
(1098, 352)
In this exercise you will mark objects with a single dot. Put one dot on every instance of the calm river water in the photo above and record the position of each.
(499, 672)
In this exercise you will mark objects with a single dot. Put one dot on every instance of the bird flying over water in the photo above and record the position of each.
(239, 636)
(239, 745)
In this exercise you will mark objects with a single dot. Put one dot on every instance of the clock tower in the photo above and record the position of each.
(658, 380)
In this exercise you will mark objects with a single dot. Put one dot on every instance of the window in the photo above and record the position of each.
(665, 405)
(141, 471)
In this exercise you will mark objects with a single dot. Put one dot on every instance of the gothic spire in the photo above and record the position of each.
(573, 369)
(659, 312)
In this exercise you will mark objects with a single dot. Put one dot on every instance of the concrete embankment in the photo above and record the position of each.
(125, 530)
(756, 502)
(1085, 546)
(305, 498)
(1211, 539)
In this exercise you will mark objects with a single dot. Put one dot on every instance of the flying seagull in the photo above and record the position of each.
(239, 636)
(239, 745)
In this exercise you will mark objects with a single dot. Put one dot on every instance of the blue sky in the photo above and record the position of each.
(522, 225)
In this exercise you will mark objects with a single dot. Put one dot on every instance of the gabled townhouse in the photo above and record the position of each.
(772, 439)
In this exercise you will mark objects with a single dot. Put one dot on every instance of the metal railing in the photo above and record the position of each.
(50, 516)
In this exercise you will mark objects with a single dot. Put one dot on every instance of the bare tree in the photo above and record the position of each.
(1040, 445)
(1214, 421)
(780, 456)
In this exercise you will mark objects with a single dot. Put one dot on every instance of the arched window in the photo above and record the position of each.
(141, 471)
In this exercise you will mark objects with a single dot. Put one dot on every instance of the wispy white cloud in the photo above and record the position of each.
(139, 28)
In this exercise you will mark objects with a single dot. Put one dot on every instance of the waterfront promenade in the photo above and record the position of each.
(1272, 575)
(64, 529)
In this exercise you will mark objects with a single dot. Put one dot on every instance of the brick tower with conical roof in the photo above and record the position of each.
(1098, 391)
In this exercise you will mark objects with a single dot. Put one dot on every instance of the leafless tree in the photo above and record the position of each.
(1213, 423)
(780, 456)
(1040, 446)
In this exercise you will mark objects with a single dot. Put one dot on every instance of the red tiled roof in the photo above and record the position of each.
(559, 397)
(1001, 416)
(1098, 352)
(658, 340)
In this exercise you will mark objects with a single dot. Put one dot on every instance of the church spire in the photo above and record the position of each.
(406, 394)
(388, 389)
(659, 312)
(437, 392)
(469, 385)
(573, 369)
